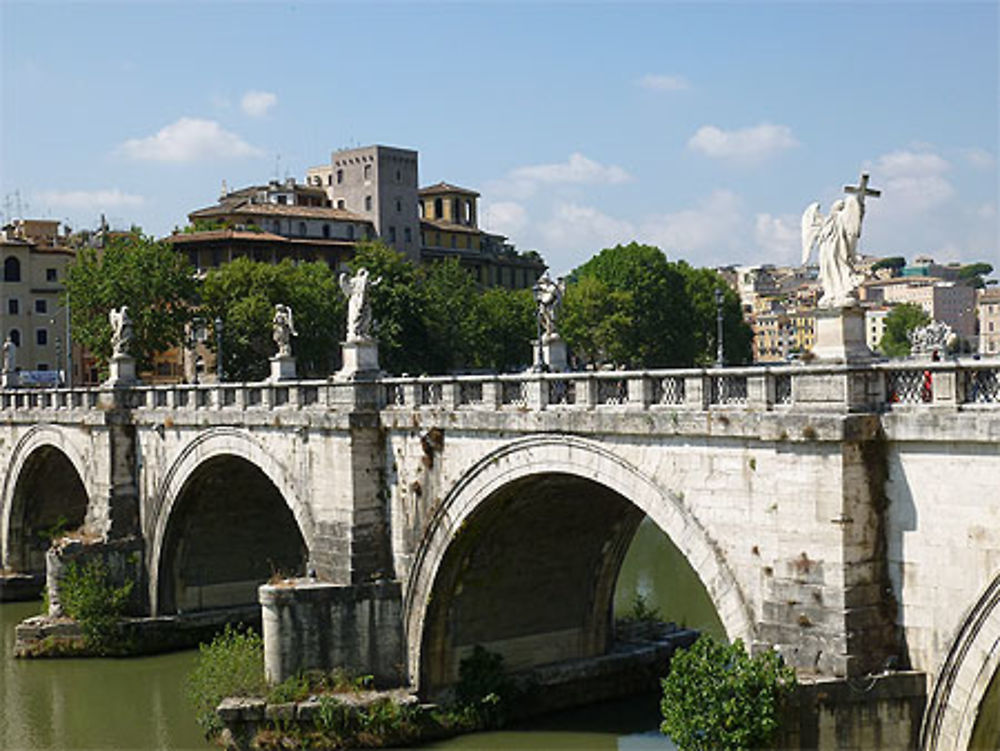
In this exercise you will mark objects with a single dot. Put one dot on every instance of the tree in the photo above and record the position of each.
(718, 698)
(973, 273)
(243, 294)
(892, 262)
(397, 308)
(899, 322)
(449, 309)
(700, 285)
(154, 281)
(656, 309)
(596, 320)
(502, 328)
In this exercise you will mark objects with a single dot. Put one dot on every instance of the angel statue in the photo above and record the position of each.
(836, 237)
(9, 355)
(359, 304)
(283, 329)
(121, 331)
(548, 296)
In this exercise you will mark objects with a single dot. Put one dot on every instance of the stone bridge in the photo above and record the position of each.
(848, 515)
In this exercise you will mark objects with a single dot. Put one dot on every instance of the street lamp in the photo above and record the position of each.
(218, 349)
(719, 357)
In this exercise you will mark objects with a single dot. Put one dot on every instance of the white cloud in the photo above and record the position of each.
(523, 182)
(583, 229)
(713, 226)
(914, 181)
(779, 238)
(187, 140)
(979, 158)
(257, 103)
(89, 200)
(506, 217)
(663, 82)
(746, 144)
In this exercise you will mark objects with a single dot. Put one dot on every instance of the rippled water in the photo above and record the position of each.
(139, 703)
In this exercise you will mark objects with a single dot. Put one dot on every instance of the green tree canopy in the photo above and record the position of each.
(243, 294)
(630, 306)
(435, 319)
(149, 277)
(718, 698)
(973, 273)
(899, 322)
(892, 262)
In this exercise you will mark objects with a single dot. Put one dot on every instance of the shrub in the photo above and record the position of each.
(90, 599)
(231, 665)
(717, 697)
(484, 694)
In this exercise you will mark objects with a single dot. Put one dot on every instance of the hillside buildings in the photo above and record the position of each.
(363, 193)
(988, 307)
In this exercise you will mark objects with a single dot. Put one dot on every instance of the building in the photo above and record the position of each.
(378, 183)
(988, 314)
(875, 325)
(34, 261)
(270, 223)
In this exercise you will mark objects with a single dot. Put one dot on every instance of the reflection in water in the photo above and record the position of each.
(95, 703)
(139, 703)
(657, 570)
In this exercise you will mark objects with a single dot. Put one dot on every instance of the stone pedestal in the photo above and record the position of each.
(122, 371)
(9, 379)
(552, 352)
(283, 368)
(360, 360)
(840, 336)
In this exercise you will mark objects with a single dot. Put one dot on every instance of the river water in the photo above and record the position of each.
(139, 703)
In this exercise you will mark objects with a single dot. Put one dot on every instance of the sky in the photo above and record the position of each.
(705, 129)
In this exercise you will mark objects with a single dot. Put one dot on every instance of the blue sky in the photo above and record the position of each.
(703, 128)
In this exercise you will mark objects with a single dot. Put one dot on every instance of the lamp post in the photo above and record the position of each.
(539, 366)
(218, 350)
(719, 357)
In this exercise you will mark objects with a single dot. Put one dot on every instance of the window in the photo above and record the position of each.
(340, 176)
(468, 213)
(392, 234)
(454, 211)
(12, 270)
(340, 203)
(15, 337)
(368, 172)
(326, 231)
(454, 241)
(216, 257)
(283, 200)
(277, 226)
(50, 275)
(193, 258)
(41, 337)
(302, 229)
(407, 234)
(368, 203)
(329, 179)
(438, 208)
(399, 176)
(41, 306)
(350, 231)
(42, 366)
(399, 205)
(13, 306)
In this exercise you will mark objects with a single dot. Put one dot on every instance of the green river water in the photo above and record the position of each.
(139, 703)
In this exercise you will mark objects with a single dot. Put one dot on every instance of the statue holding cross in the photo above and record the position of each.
(836, 237)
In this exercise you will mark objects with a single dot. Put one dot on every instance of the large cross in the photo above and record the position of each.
(862, 189)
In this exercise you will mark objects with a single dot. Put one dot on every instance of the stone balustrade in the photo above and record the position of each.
(890, 385)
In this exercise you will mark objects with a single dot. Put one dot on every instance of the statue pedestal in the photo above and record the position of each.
(9, 379)
(360, 360)
(840, 336)
(552, 353)
(122, 371)
(283, 368)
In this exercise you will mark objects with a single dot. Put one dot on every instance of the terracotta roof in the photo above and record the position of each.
(276, 209)
(222, 234)
(443, 187)
(440, 224)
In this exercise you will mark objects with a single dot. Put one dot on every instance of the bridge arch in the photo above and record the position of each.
(588, 468)
(972, 663)
(238, 457)
(44, 487)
